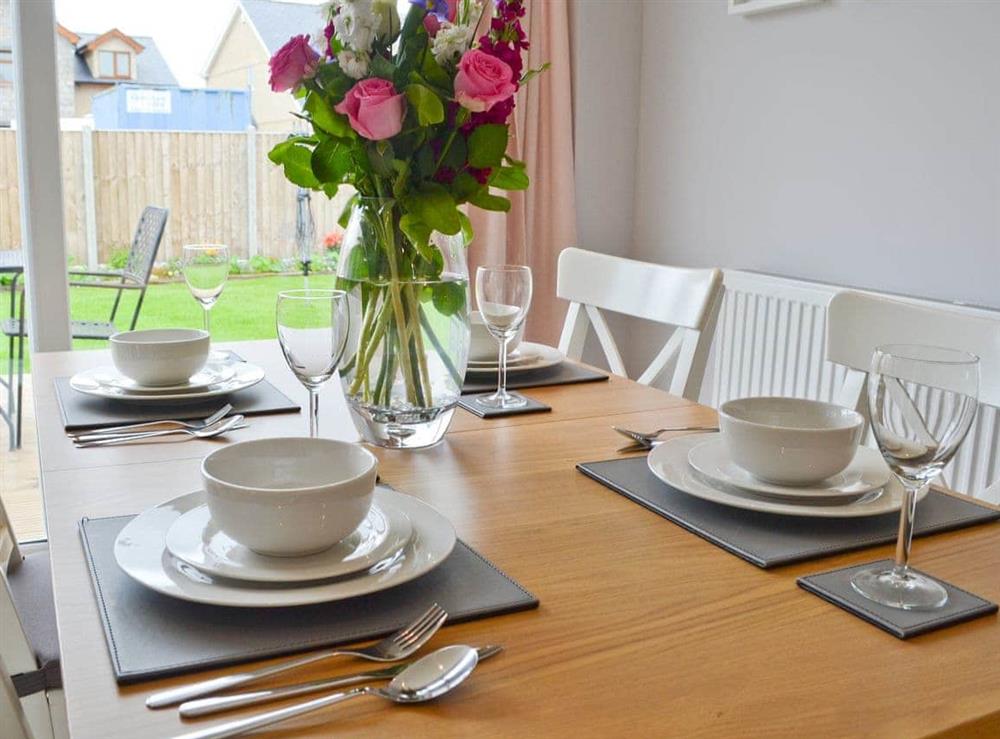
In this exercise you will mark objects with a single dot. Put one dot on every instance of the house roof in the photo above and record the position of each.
(276, 22)
(113, 33)
(150, 66)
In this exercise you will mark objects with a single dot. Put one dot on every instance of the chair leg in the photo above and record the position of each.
(138, 307)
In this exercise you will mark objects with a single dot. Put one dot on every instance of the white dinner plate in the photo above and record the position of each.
(195, 539)
(92, 382)
(866, 472)
(141, 552)
(209, 375)
(542, 356)
(669, 462)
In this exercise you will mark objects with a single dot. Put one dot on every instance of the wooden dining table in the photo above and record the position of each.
(643, 629)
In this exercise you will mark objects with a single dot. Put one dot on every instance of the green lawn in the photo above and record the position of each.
(244, 311)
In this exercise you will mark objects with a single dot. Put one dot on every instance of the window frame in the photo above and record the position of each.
(115, 57)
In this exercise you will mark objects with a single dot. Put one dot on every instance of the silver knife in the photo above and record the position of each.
(206, 706)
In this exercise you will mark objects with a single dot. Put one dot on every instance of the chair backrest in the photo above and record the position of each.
(145, 244)
(857, 323)
(685, 298)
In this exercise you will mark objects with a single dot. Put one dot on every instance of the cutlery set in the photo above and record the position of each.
(215, 425)
(410, 682)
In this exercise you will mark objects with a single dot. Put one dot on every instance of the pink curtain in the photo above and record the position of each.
(542, 220)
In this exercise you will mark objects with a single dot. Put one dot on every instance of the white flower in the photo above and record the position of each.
(451, 42)
(388, 19)
(354, 64)
(355, 23)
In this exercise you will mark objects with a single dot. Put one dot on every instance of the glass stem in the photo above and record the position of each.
(205, 311)
(313, 413)
(906, 513)
(502, 361)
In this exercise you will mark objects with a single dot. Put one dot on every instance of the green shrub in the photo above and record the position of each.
(259, 263)
(119, 258)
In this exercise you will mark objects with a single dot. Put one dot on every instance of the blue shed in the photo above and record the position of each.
(134, 107)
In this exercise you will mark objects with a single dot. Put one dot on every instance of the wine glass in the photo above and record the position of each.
(205, 268)
(504, 296)
(313, 326)
(917, 446)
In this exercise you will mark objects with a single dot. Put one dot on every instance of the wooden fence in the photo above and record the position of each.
(219, 187)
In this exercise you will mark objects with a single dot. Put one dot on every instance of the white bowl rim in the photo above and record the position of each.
(858, 419)
(373, 460)
(127, 337)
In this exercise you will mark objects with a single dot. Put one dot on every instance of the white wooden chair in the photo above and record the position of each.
(857, 323)
(685, 298)
(31, 697)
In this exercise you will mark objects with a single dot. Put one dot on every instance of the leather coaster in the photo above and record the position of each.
(835, 587)
(468, 402)
(564, 373)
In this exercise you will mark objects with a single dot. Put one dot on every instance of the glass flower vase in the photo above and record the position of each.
(409, 340)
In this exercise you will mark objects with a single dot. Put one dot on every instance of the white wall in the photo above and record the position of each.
(849, 142)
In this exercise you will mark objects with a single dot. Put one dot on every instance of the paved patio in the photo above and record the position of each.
(19, 479)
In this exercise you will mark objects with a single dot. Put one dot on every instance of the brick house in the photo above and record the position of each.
(87, 63)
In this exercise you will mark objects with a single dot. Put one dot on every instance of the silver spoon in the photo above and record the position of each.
(427, 678)
(152, 425)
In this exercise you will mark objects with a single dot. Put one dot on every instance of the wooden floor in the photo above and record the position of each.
(19, 484)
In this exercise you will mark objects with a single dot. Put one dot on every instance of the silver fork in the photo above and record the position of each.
(236, 422)
(400, 645)
(649, 438)
(133, 427)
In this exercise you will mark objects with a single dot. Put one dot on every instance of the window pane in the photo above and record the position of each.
(121, 65)
(6, 67)
(106, 60)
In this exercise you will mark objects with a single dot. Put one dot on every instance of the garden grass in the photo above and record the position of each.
(244, 311)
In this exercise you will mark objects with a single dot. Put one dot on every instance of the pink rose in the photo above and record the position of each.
(374, 109)
(292, 63)
(482, 81)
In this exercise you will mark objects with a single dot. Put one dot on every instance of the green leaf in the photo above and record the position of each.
(331, 161)
(296, 161)
(457, 154)
(435, 74)
(381, 156)
(418, 232)
(532, 73)
(324, 117)
(465, 186)
(345, 214)
(449, 298)
(277, 153)
(467, 232)
(430, 110)
(487, 145)
(435, 206)
(382, 67)
(483, 199)
(509, 178)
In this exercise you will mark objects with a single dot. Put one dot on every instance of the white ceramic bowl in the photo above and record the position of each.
(288, 497)
(789, 441)
(160, 356)
(483, 347)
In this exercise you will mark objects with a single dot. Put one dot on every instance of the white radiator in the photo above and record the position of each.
(770, 340)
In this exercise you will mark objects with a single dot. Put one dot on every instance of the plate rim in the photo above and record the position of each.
(275, 576)
(893, 491)
(548, 356)
(252, 376)
(308, 595)
(786, 492)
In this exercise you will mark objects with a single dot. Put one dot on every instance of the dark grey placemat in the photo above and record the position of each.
(468, 402)
(769, 540)
(150, 635)
(835, 587)
(564, 373)
(81, 411)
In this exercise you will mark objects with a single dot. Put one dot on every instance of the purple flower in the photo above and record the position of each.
(446, 10)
